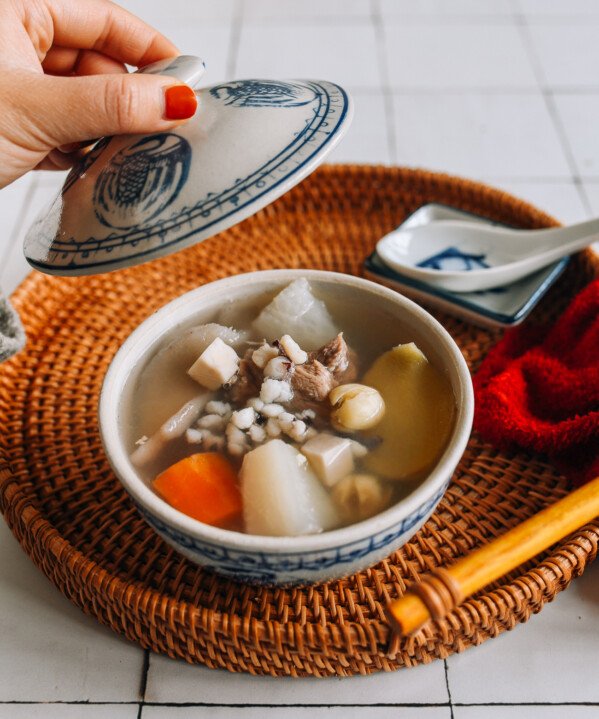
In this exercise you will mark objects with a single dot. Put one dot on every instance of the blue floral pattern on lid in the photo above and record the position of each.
(142, 180)
(135, 199)
(262, 93)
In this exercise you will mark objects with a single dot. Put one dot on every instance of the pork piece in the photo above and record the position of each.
(339, 359)
(248, 381)
(249, 378)
(312, 381)
(334, 363)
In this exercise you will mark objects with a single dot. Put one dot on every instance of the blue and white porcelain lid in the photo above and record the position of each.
(135, 198)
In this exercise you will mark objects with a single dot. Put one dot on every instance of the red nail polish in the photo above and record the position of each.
(180, 101)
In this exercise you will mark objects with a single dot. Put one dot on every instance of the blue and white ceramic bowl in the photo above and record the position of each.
(285, 560)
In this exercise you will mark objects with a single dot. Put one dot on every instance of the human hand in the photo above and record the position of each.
(63, 81)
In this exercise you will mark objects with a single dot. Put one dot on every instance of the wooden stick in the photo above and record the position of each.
(441, 591)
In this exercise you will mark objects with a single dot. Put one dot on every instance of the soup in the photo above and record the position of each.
(293, 414)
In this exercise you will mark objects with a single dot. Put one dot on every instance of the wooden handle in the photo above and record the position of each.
(441, 591)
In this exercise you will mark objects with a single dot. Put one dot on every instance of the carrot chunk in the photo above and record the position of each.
(203, 486)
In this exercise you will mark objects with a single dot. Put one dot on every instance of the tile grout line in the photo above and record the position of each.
(410, 20)
(305, 706)
(376, 19)
(526, 704)
(458, 91)
(234, 40)
(549, 100)
(446, 670)
(416, 705)
(327, 21)
(561, 131)
(143, 685)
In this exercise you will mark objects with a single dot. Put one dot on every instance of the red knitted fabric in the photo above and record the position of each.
(538, 389)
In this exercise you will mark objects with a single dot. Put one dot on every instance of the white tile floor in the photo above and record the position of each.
(420, 685)
(506, 91)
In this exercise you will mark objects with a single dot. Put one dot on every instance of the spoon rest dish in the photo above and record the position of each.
(466, 257)
(501, 307)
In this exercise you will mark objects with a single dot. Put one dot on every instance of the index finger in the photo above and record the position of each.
(107, 28)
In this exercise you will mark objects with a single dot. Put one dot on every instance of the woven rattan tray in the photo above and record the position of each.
(75, 521)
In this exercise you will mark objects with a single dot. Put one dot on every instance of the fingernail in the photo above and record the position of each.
(180, 102)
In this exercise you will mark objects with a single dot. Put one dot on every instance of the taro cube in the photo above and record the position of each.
(330, 457)
(216, 365)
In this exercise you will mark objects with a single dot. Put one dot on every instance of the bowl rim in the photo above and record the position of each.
(152, 328)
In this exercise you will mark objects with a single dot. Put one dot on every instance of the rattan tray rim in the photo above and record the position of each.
(490, 611)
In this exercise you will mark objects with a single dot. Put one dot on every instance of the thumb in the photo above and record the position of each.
(63, 110)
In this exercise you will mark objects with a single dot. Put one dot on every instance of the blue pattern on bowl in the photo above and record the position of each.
(294, 568)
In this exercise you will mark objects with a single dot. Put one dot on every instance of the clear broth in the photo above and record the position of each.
(163, 385)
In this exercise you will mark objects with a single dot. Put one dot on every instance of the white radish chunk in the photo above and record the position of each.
(216, 365)
(281, 495)
(330, 457)
(295, 311)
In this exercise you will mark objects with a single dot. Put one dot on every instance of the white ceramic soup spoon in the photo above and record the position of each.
(468, 256)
